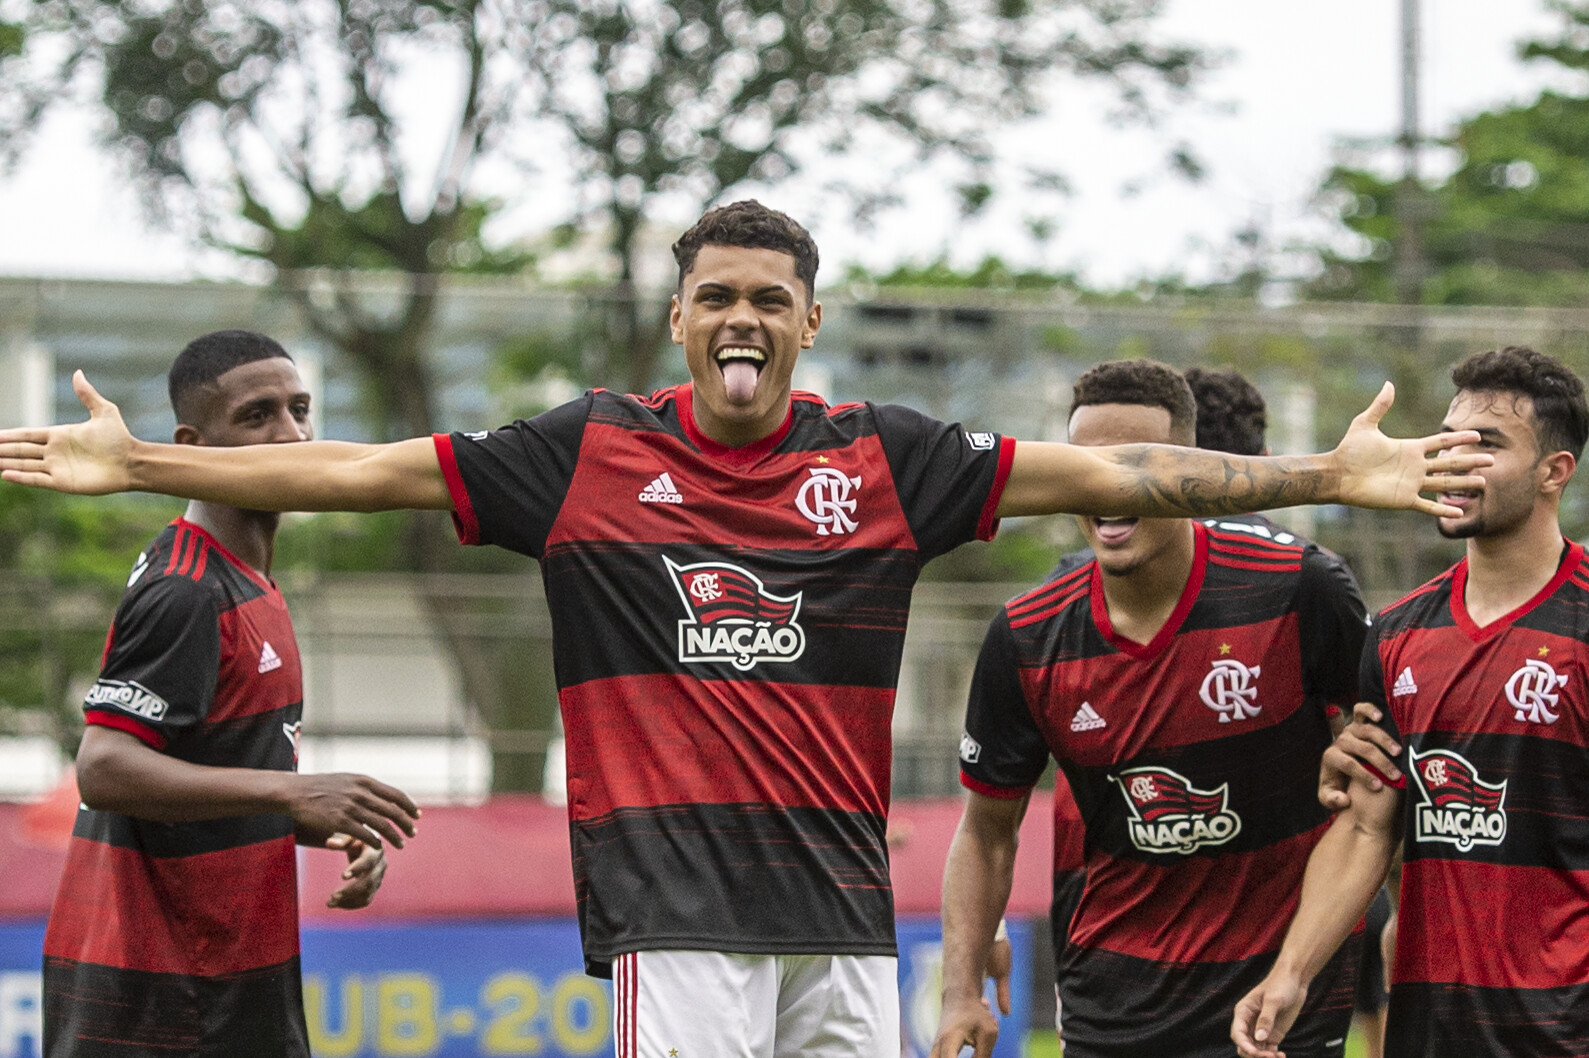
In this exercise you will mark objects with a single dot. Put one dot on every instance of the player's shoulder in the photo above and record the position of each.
(1429, 602)
(1057, 597)
(179, 568)
(1235, 549)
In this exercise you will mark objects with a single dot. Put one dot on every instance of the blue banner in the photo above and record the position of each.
(440, 990)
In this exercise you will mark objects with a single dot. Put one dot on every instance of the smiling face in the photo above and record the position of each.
(260, 402)
(1126, 545)
(742, 316)
(1513, 484)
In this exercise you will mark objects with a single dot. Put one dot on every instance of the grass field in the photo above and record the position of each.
(1046, 1045)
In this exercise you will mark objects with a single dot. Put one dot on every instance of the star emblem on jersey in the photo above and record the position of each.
(1087, 719)
(1404, 684)
(269, 660)
(824, 498)
(1544, 652)
(661, 490)
(733, 617)
(1170, 815)
(1532, 692)
(1456, 806)
(1229, 690)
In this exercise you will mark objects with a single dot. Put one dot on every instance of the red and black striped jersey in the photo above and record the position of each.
(1193, 760)
(182, 938)
(1492, 951)
(728, 625)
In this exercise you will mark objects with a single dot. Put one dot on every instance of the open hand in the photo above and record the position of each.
(361, 880)
(90, 458)
(355, 805)
(1380, 471)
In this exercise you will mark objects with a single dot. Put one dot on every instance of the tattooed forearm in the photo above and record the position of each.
(1191, 481)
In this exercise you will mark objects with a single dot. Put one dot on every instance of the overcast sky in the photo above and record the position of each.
(1298, 77)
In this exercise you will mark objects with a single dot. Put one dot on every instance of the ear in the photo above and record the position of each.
(808, 334)
(676, 321)
(186, 435)
(1555, 471)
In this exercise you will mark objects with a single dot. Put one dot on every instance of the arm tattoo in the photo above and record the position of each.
(1170, 481)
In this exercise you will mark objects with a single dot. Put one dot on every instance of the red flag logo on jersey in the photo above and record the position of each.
(733, 618)
(1456, 806)
(1169, 814)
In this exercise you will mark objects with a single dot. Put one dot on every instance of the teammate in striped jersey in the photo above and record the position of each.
(175, 928)
(1477, 680)
(727, 664)
(1182, 681)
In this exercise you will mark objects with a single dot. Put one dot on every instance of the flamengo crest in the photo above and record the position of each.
(825, 500)
(1532, 692)
(1456, 806)
(1169, 814)
(733, 618)
(1229, 690)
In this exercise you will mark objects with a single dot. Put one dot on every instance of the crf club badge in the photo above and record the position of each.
(1456, 806)
(1169, 814)
(733, 618)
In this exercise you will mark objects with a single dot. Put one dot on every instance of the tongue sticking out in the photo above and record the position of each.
(739, 379)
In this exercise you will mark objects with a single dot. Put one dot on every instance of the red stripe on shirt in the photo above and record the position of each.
(122, 722)
(1492, 926)
(1003, 793)
(642, 741)
(988, 524)
(463, 516)
(208, 915)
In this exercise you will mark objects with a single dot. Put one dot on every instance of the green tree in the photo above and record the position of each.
(1510, 226)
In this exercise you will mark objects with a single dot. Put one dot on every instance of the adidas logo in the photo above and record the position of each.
(661, 490)
(269, 660)
(1087, 719)
(1404, 684)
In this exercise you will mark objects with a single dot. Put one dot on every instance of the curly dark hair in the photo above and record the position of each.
(1145, 382)
(1231, 416)
(752, 225)
(1561, 420)
(206, 359)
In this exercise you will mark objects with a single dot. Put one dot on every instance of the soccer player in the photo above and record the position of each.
(1181, 680)
(1478, 679)
(175, 928)
(728, 566)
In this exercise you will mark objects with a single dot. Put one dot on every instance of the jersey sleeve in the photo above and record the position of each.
(508, 485)
(948, 479)
(1371, 678)
(1003, 752)
(161, 662)
(1333, 624)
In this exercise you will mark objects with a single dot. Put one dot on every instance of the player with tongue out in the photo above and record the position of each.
(728, 773)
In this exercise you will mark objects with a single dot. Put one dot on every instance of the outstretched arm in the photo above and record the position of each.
(976, 886)
(100, 456)
(1367, 469)
(1344, 872)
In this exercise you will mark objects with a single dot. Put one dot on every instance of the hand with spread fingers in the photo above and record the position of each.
(1387, 472)
(88, 458)
(362, 878)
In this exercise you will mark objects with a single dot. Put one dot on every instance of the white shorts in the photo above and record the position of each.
(707, 1004)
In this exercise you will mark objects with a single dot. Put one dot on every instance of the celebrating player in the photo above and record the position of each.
(175, 928)
(728, 566)
(1478, 679)
(1181, 680)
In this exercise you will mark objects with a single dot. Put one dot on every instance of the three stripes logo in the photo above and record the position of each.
(1087, 719)
(1404, 684)
(661, 490)
(269, 660)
